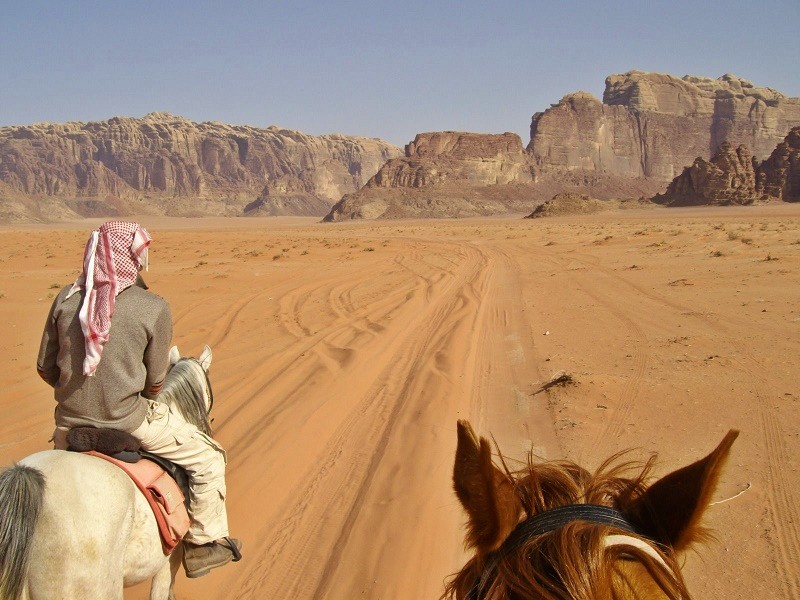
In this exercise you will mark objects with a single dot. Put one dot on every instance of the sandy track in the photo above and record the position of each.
(343, 354)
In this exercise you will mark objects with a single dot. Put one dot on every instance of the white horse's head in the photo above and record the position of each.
(187, 387)
(204, 359)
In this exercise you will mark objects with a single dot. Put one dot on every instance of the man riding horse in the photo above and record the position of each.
(105, 351)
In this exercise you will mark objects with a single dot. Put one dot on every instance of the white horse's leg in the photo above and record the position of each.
(161, 587)
(164, 580)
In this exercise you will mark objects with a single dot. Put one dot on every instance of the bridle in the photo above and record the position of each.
(556, 518)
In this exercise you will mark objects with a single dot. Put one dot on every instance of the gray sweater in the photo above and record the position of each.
(133, 364)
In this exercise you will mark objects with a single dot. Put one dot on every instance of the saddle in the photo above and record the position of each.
(156, 477)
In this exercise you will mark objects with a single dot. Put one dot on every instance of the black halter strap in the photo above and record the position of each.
(555, 518)
(545, 522)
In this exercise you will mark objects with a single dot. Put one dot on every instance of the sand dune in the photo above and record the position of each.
(343, 355)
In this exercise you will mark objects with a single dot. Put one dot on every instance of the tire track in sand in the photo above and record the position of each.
(594, 284)
(782, 506)
(222, 325)
(370, 427)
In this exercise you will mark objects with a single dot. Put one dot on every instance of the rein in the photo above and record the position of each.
(553, 519)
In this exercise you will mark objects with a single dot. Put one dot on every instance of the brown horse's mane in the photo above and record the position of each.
(573, 562)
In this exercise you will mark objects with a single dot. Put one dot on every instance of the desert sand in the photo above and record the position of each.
(345, 353)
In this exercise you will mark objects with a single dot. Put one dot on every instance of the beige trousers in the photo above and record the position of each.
(167, 434)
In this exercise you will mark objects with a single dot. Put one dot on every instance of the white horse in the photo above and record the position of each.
(73, 526)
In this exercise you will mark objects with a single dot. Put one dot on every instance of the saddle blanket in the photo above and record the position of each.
(162, 494)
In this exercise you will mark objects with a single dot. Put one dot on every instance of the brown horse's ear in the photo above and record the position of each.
(485, 492)
(670, 510)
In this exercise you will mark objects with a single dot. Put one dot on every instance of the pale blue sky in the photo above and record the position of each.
(378, 69)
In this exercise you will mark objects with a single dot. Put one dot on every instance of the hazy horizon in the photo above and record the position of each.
(372, 69)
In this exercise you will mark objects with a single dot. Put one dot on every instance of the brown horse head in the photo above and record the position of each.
(554, 530)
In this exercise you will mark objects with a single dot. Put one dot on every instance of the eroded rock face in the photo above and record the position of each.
(451, 156)
(168, 164)
(647, 128)
(567, 204)
(446, 174)
(728, 178)
(653, 125)
(779, 175)
(732, 176)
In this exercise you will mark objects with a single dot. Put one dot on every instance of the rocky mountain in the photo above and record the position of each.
(645, 131)
(653, 125)
(647, 128)
(165, 164)
(457, 174)
(733, 176)
(445, 173)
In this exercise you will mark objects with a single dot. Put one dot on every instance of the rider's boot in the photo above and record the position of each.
(199, 559)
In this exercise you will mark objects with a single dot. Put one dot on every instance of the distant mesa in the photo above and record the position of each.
(165, 164)
(446, 174)
(647, 130)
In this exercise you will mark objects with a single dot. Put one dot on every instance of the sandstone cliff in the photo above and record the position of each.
(648, 127)
(450, 156)
(652, 125)
(446, 174)
(456, 174)
(165, 164)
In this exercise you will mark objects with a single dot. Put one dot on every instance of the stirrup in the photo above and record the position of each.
(237, 555)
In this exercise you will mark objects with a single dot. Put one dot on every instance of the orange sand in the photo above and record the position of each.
(344, 353)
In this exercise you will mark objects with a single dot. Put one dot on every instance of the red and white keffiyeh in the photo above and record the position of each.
(112, 259)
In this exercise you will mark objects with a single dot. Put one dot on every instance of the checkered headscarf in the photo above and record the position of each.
(111, 261)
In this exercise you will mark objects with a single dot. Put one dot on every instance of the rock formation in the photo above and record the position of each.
(648, 127)
(567, 204)
(646, 130)
(449, 156)
(446, 174)
(653, 125)
(728, 178)
(779, 175)
(732, 176)
(571, 204)
(170, 165)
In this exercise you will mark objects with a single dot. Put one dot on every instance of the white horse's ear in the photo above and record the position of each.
(174, 355)
(205, 358)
